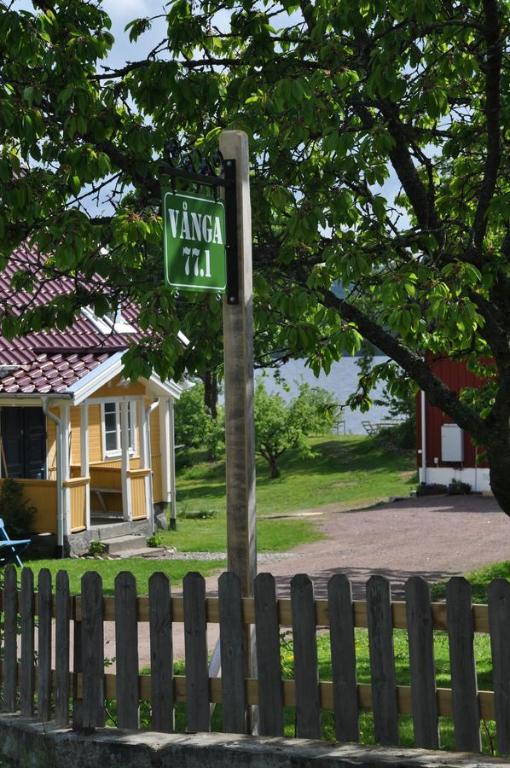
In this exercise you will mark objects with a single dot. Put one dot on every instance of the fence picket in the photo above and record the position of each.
(10, 608)
(92, 650)
(267, 644)
(308, 714)
(421, 663)
(232, 653)
(382, 661)
(499, 622)
(270, 692)
(62, 648)
(44, 608)
(195, 650)
(343, 658)
(27, 643)
(162, 689)
(126, 650)
(466, 715)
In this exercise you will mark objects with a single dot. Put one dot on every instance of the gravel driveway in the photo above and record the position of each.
(435, 536)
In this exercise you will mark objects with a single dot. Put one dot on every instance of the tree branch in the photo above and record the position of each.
(437, 393)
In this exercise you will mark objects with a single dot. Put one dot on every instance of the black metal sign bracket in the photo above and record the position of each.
(228, 182)
(231, 227)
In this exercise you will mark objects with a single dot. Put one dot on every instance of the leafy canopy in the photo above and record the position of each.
(378, 133)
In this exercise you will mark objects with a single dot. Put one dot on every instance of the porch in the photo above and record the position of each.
(104, 461)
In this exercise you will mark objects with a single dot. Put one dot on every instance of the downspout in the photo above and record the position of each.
(148, 411)
(60, 475)
(423, 440)
(173, 511)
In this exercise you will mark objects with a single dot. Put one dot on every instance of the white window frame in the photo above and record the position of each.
(111, 322)
(115, 453)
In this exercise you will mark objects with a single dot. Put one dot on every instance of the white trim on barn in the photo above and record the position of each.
(476, 477)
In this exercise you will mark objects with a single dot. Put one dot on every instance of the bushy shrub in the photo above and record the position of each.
(15, 510)
(194, 425)
(97, 548)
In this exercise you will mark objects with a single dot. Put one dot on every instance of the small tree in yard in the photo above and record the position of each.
(195, 427)
(280, 425)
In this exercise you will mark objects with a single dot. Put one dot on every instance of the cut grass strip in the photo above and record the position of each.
(138, 566)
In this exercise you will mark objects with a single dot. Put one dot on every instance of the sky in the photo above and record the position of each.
(123, 11)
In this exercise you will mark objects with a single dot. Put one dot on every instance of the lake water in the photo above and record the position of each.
(341, 381)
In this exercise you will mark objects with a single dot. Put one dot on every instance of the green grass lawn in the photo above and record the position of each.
(366, 722)
(108, 570)
(479, 581)
(349, 471)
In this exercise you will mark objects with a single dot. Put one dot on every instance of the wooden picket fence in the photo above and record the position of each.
(79, 696)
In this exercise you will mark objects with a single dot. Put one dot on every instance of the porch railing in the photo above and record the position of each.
(78, 489)
(137, 479)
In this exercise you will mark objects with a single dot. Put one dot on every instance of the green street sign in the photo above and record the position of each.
(194, 238)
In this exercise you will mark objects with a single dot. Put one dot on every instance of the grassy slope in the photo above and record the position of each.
(348, 471)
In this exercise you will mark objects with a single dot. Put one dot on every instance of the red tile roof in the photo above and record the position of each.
(51, 361)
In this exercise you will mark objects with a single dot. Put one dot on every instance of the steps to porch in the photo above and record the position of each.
(130, 545)
(120, 537)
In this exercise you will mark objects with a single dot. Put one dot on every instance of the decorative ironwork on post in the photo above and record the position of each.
(192, 167)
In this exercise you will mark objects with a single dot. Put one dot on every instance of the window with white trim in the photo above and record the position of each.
(112, 321)
(112, 442)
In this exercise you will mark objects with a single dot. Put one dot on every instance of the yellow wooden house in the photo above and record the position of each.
(94, 452)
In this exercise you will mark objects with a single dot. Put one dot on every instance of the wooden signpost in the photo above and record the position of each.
(208, 248)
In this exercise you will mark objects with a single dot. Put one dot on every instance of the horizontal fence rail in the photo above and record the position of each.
(86, 694)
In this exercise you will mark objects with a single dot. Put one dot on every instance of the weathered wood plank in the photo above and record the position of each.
(27, 681)
(44, 608)
(77, 711)
(267, 632)
(126, 650)
(499, 622)
(232, 653)
(421, 661)
(343, 658)
(92, 650)
(306, 674)
(10, 608)
(466, 714)
(382, 661)
(160, 619)
(195, 649)
(62, 648)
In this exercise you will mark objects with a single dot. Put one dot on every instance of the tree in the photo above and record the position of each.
(195, 426)
(275, 429)
(316, 409)
(379, 136)
(281, 425)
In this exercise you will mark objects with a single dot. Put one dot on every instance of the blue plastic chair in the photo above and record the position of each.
(10, 548)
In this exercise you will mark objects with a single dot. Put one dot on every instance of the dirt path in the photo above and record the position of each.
(435, 537)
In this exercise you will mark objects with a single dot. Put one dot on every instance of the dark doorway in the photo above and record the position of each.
(23, 432)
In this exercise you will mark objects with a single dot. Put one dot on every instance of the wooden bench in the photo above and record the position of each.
(101, 491)
(373, 427)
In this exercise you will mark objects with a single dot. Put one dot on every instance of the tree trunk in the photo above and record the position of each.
(273, 464)
(498, 452)
(210, 380)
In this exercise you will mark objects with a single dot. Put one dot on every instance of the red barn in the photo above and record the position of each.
(445, 452)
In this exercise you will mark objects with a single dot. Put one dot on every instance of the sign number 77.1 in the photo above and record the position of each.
(194, 242)
(195, 253)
